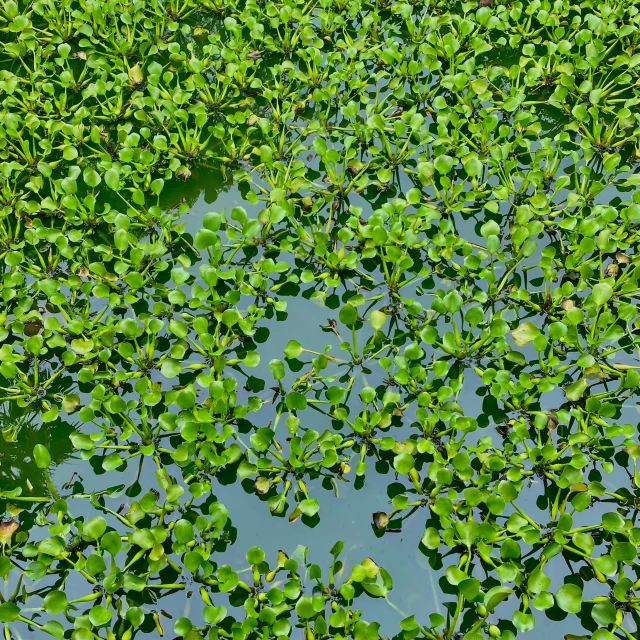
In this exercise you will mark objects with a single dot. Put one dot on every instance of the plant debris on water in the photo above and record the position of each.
(436, 219)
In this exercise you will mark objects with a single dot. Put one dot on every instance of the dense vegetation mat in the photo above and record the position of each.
(449, 189)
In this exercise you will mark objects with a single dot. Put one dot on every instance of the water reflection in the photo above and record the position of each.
(21, 431)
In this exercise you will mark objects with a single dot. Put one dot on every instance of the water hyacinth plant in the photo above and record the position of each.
(319, 319)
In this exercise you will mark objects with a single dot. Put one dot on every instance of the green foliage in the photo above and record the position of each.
(452, 185)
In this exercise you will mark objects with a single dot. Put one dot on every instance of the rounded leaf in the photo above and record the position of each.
(94, 528)
(569, 598)
(348, 315)
(403, 463)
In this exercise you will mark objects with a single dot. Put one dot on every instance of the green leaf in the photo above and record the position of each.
(295, 400)
(624, 552)
(495, 596)
(64, 49)
(293, 349)
(100, 616)
(473, 166)
(277, 369)
(490, 228)
(469, 588)
(214, 615)
(144, 539)
(112, 178)
(444, 163)
(55, 602)
(601, 293)
(81, 346)
(309, 507)
(205, 238)
(54, 628)
(605, 564)
(9, 612)
(414, 196)
(544, 601)
(431, 538)
(112, 461)
(612, 521)
(523, 622)
(576, 390)
(231, 317)
(42, 456)
(377, 319)
(183, 531)
(246, 469)
(304, 608)
(111, 542)
(255, 555)
(94, 528)
(348, 315)
(604, 613)
(569, 598)
(91, 177)
(403, 463)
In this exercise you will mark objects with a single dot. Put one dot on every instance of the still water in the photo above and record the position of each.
(418, 581)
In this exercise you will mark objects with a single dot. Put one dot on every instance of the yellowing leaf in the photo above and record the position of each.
(525, 333)
(135, 74)
(7, 529)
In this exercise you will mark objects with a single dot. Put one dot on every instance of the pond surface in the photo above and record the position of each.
(319, 320)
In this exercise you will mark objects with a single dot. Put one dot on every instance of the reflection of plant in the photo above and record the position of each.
(12, 417)
(22, 431)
